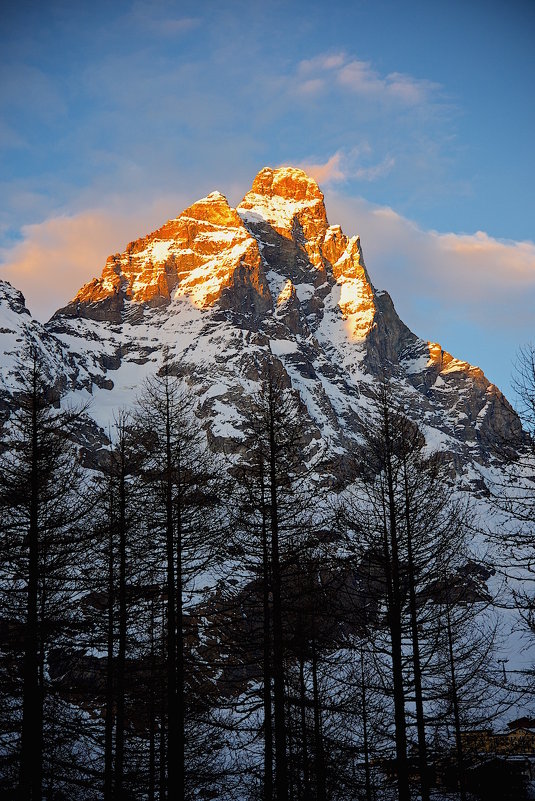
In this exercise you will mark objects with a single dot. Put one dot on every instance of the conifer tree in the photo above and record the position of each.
(41, 508)
(410, 532)
(183, 485)
(513, 501)
(273, 517)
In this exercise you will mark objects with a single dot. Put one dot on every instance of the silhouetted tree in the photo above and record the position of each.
(40, 509)
(408, 532)
(273, 518)
(512, 498)
(183, 482)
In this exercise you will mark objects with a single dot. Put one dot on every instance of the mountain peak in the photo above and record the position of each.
(194, 255)
(214, 209)
(12, 299)
(288, 203)
(289, 183)
(284, 198)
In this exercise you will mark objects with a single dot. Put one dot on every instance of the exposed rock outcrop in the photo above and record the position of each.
(199, 254)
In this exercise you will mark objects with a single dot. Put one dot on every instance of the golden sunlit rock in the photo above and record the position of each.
(449, 364)
(287, 293)
(357, 299)
(289, 183)
(211, 247)
(194, 255)
(291, 202)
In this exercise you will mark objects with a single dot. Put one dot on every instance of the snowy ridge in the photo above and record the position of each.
(19, 332)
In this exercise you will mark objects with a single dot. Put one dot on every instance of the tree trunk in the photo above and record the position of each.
(175, 618)
(174, 769)
(418, 694)
(108, 726)
(456, 716)
(152, 710)
(365, 743)
(180, 674)
(321, 779)
(394, 615)
(268, 724)
(121, 650)
(32, 702)
(281, 774)
(294, 784)
(302, 698)
(163, 704)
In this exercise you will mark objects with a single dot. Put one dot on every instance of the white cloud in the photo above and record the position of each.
(328, 172)
(411, 91)
(499, 261)
(343, 166)
(312, 86)
(322, 63)
(375, 171)
(337, 69)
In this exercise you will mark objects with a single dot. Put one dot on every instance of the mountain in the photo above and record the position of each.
(221, 290)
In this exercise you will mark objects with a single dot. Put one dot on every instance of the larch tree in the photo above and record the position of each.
(273, 518)
(41, 510)
(407, 532)
(182, 480)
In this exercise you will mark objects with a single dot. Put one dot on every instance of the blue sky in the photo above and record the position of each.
(418, 119)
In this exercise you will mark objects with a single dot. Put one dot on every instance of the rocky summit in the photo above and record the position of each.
(221, 291)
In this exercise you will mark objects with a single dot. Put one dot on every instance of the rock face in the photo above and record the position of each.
(199, 254)
(222, 290)
(19, 332)
(285, 211)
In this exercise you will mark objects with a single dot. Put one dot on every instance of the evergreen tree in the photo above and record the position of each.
(513, 501)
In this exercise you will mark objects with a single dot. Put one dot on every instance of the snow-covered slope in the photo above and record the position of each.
(19, 333)
(222, 290)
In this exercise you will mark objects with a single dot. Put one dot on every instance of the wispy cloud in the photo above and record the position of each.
(468, 269)
(55, 257)
(500, 261)
(157, 18)
(409, 120)
(343, 166)
(311, 86)
(359, 77)
(375, 171)
(322, 63)
(328, 172)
